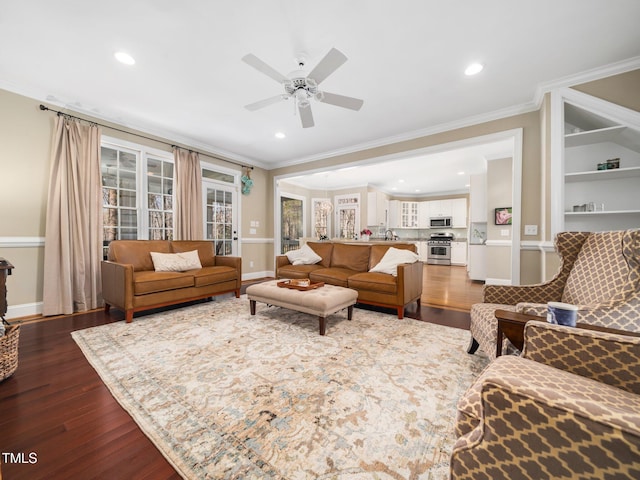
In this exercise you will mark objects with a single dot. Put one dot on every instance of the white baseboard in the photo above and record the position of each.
(24, 310)
(255, 275)
(497, 281)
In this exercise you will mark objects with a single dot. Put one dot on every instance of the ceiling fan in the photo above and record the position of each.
(302, 86)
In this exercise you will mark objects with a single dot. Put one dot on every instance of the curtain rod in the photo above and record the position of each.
(43, 108)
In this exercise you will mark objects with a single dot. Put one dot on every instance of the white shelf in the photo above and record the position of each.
(606, 212)
(590, 137)
(596, 175)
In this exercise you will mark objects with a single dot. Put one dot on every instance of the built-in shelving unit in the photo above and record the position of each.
(592, 138)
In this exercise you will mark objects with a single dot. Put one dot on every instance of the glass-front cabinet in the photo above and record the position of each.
(409, 214)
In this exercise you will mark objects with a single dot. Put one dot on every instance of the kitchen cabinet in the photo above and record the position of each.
(423, 215)
(477, 265)
(440, 208)
(377, 209)
(408, 214)
(423, 251)
(458, 253)
(597, 198)
(459, 213)
(394, 214)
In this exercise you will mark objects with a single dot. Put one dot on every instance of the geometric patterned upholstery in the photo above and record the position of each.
(569, 407)
(600, 273)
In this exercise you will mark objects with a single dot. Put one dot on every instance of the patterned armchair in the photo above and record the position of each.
(569, 407)
(600, 273)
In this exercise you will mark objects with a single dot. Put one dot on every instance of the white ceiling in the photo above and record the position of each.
(405, 60)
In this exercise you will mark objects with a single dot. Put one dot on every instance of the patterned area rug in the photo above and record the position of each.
(226, 395)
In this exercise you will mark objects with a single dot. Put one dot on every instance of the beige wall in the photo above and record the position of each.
(499, 194)
(25, 136)
(623, 89)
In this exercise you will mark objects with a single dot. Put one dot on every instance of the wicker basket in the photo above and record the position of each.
(9, 351)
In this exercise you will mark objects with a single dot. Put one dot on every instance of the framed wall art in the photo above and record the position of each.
(503, 216)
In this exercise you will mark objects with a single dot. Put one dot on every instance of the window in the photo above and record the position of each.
(160, 198)
(137, 192)
(347, 215)
(321, 208)
(292, 224)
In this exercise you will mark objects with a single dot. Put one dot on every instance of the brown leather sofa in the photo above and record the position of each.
(129, 281)
(348, 265)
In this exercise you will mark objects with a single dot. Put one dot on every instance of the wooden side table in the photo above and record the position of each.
(511, 325)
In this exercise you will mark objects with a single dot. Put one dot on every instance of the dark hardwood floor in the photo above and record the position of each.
(59, 421)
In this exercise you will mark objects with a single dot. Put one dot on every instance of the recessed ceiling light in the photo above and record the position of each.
(417, 189)
(467, 185)
(280, 135)
(401, 181)
(461, 173)
(124, 57)
(473, 69)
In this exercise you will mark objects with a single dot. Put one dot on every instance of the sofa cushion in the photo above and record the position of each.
(297, 271)
(332, 276)
(376, 282)
(204, 248)
(213, 275)
(393, 258)
(352, 257)
(151, 282)
(175, 262)
(324, 250)
(137, 252)
(305, 255)
(378, 251)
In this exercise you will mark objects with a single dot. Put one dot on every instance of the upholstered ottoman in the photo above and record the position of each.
(322, 301)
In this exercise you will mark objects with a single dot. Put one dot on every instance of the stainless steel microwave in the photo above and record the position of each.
(440, 222)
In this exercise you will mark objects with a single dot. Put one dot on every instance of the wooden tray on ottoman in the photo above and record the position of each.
(292, 284)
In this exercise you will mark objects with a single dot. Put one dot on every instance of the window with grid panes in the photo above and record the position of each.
(160, 198)
(137, 191)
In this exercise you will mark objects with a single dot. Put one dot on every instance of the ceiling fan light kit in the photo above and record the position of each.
(302, 87)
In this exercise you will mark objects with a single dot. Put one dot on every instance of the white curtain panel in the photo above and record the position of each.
(188, 195)
(73, 238)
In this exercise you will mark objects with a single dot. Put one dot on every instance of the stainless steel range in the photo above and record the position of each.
(439, 249)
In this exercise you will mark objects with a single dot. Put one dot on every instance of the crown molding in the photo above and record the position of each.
(588, 76)
(164, 136)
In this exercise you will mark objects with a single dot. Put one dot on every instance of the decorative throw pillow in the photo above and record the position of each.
(394, 257)
(176, 262)
(303, 256)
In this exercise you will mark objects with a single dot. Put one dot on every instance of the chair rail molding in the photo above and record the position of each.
(21, 242)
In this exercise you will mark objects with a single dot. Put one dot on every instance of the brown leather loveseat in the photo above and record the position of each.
(130, 282)
(348, 265)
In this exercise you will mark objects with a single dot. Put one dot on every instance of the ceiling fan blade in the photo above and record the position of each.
(306, 116)
(327, 65)
(265, 103)
(340, 100)
(255, 62)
